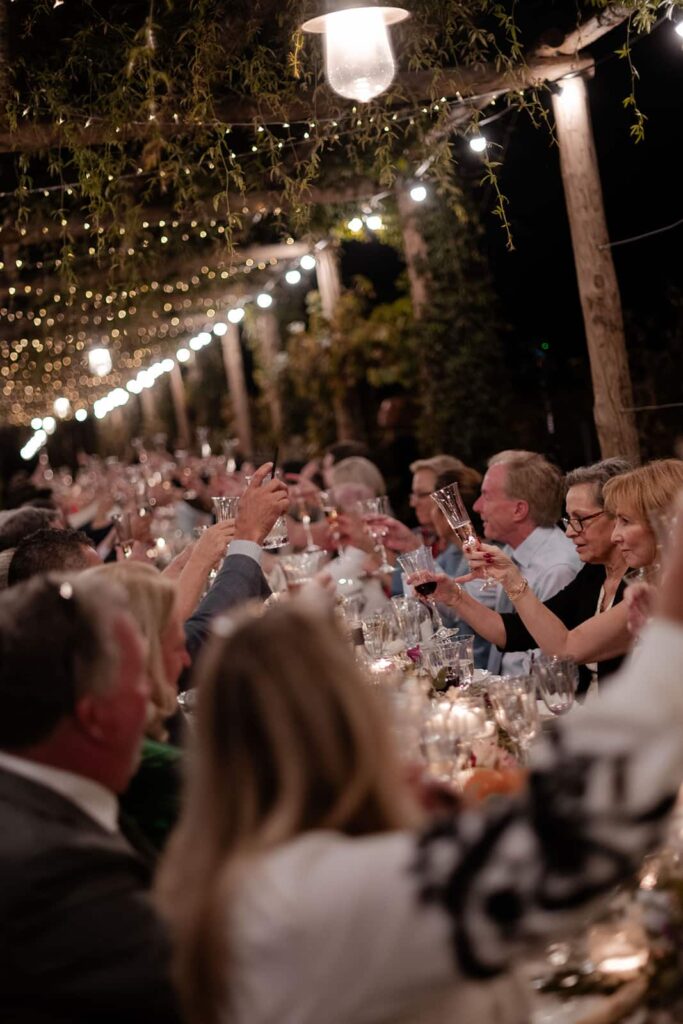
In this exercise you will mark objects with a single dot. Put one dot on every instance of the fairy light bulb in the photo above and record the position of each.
(183, 355)
(236, 316)
(478, 143)
(81, 415)
(307, 262)
(418, 194)
(99, 361)
(62, 407)
(293, 276)
(264, 300)
(355, 224)
(359, 61)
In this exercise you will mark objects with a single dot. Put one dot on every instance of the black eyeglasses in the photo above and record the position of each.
(577, 522)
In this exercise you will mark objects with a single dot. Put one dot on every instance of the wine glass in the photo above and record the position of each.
(331, 511)
(556, 680)
(449, 500)
(513, 699)
(124, 532)
(421, 560)
(300, 567)
(373, 511)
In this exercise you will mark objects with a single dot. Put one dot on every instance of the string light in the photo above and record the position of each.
(236, 315)
(307, 262)
(478, 143)
(99, 361)
(183, 355)
(62, 407)
(264, 300)
(355, 225)
(220, 329)
(292, 277)
(418, 193)
(81, 415)
(374, 222)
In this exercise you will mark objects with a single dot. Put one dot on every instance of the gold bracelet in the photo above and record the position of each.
(457, 593)
(514, 593)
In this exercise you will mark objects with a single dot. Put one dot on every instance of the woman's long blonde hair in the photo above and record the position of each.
(151, 600)
(289, 739)
(646, 490)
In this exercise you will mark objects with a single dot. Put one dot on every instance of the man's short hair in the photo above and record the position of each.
(48, 551)
(531, 478)
(21, 522)
(438, 464)
(56, 643)
(347, 450)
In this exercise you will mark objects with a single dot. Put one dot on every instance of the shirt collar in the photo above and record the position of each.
(525, 553)
(89, 796)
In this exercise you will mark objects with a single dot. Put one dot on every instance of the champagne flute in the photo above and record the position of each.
(373, 511)
(331, 511)
(450, 502)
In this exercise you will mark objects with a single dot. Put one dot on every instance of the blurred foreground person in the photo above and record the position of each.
(307, 893)
(79, 941)
(152, 799)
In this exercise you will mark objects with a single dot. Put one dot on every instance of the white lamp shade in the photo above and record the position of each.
(359, 62)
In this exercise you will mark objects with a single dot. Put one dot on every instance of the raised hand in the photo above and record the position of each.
(213, 542)
(260, 505)
(447, 590)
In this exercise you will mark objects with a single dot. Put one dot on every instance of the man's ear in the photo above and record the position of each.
(88, 714)
(521, 511)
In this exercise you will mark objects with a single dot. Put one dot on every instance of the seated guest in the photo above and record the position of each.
(51, 551)
(22, 522)
(425, 473)
(79, 941)
(305, 894)
(629, 500)
(151, 799)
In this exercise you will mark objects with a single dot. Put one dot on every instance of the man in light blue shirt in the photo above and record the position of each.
(520, 504)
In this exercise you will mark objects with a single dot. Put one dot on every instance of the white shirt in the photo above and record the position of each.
(549, 561)
(89, 796)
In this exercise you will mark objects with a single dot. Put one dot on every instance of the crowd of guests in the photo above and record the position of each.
(269, 857)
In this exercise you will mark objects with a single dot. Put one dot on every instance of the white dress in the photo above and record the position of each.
(397, 928)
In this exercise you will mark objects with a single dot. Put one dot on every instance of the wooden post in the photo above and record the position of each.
(329, 279)
(415, 250)
(149, 412)
(180, 407)
(234, 372)
(597, 280)
(269, 339)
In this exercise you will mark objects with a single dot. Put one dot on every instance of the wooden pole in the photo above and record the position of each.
(597, 280)
(415, 251)
(179, 397)
(329, 279)
(269, 338)
(234, 372)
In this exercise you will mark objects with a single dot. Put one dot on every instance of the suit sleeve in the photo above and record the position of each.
(240, 580)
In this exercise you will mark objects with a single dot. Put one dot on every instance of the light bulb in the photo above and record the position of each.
(418, 194)
(307, 262)
(292, 277)
(195, 344)
(134, 386)
(167, 365)
(49, 424)
(679, 28)
(235, 316)
(204, 337)
(81, 415)
(355, 224)
(478, 143)
(99, 361)
(359, 62)
(36, 423)
(62, 407)
(183, 355)
(374, 222)
(264, 300)
(220, 329)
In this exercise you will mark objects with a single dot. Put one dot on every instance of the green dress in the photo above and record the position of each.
(152, 800)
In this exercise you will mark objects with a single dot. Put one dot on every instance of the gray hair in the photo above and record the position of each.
(597, 475)
(57, 643)
(18, 523)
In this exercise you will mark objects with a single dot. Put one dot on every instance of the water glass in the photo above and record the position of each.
(408, 613)
(556, 680)
(376, 633)
(466, 658)
(301, 567)
(441, 658)
(225, 508)
(513, 699)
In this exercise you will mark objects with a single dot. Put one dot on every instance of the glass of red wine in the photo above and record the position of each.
(421, 561)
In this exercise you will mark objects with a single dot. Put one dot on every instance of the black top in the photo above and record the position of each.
(573, 605)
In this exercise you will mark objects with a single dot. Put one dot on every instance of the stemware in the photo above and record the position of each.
(408, 613)
(556, 680)
(376, 633)
(441, 658)
(225, 507)
(421, 560)
(331, 511)
(124, 532)
(513, 699)
(373, 512)
(449, 500)
(300, 567)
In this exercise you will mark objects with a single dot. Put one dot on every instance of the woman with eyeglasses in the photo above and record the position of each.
(598, 586)
(602, 635)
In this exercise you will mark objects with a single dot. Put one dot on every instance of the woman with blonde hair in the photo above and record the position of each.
(630, 499)
(152, 798)
(297, 887)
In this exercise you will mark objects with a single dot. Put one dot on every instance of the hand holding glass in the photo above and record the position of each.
(449, 500)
